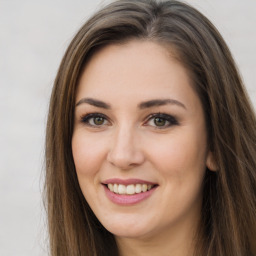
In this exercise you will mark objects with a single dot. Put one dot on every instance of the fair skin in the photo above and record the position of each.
(138, 120)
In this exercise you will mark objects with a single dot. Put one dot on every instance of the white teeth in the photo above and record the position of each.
(111, 187)
(121, 189)
(129, 189)
(144, 187)
(115, 188)
(138, 188)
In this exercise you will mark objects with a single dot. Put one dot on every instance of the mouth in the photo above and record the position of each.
(130, 189)
(128, 186)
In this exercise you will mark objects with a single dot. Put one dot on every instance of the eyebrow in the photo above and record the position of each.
(93, 102)
(160, 102)
(142, 105)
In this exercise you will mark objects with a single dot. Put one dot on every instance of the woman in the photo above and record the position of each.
(151, 139)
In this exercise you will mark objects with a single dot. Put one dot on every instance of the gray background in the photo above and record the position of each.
(33, 38)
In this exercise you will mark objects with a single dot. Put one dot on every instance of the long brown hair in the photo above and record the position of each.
(229, 201)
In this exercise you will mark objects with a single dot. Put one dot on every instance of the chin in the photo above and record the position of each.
(131, 229)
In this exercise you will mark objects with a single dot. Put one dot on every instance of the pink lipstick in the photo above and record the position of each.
(129, 191)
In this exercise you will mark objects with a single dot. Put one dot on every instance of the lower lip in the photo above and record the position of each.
(128, 199)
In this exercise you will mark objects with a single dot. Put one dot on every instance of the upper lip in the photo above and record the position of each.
(127, 181)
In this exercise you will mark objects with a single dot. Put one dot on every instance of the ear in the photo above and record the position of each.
(211, 162)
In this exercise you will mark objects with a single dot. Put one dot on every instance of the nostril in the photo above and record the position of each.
(125, 159)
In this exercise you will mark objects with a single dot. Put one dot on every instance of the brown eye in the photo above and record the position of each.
(95, 120)
(158, 121)
(161, 121)
(98, 120)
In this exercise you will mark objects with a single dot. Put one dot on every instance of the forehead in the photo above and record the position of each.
(136, 69)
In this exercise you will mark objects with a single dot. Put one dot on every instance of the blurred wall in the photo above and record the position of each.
(33, 38)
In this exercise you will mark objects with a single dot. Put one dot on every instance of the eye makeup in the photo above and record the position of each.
(161, 120)
(95, 120)
(156, 120)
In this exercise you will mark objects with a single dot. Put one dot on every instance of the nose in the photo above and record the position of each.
(126, 150)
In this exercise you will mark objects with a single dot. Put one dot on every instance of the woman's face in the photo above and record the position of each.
(139, 130)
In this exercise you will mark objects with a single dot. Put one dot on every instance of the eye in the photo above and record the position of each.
(94, 120)
(161, 120)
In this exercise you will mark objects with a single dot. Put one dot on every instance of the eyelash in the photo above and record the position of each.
(86, 119)
(171, 120)
(165, 117)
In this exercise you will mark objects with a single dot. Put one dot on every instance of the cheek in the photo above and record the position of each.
(181, 153)
(181, 162)
(88, 154)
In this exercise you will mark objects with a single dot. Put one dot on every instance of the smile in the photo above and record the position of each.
(130, 189)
